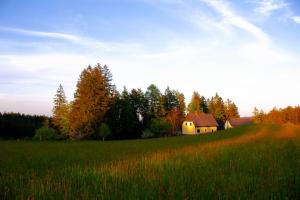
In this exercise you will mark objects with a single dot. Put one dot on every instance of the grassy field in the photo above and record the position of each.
(251, 162)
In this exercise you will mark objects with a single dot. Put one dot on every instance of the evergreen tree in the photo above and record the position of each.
(197, 104)
(155, 102)
(112, 117)
(140, 104)
(60, 111)
(170, 100)
(129, 121)
(123, 117)
(92, 100)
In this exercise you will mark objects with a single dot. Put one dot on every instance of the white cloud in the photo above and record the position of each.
(296, 19)
(42, 34)
(266, 7)
(84, 41)
(231, 18)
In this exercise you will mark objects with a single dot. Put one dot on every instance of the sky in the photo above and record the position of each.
(248, 51)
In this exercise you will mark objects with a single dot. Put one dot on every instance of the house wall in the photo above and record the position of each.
(207, 129)
(227, 125)
(188, 128)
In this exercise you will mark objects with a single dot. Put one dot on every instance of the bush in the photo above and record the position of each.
(103, 131)
(159, 126)
(147, 134)
(45, 133)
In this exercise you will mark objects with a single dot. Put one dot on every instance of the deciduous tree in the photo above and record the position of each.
(216, 108)
(197, 104)
(231, 110)
(173, 118)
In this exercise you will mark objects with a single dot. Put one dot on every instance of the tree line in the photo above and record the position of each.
(99, 111)
(16, 125)
(278, 116)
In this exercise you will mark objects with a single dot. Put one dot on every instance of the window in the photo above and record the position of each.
(198, 130)
(186, 123)
(190, 123)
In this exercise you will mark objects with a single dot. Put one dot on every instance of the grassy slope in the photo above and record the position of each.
(247, 162)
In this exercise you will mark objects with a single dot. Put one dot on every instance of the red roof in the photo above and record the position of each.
(240, 121)
(201, 119)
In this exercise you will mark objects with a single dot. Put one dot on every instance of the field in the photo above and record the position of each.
(250, 162)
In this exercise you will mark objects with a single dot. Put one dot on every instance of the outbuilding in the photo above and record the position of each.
(234, 122)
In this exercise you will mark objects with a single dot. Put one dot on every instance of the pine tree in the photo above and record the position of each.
(139, 103)
(155, 102)
(123, 117)
(170, 99)
(92, 100)
(61, 111)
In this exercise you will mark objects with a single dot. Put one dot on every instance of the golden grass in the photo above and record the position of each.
(289, 131)
(128, 167)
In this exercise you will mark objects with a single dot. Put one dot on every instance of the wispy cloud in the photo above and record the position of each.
(84, 41)
(235, 20)
(42, 34)
(266, 7)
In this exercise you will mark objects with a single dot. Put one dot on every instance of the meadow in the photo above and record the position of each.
(249, 162)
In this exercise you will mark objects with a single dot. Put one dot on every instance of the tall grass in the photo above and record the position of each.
(251, 162)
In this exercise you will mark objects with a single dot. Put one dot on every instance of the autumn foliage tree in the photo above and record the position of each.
(92, 100)
(217, 109)
(197, 104)
(173, 118)
(258, 115)
(231, 110)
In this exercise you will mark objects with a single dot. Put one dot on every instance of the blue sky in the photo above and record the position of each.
(247, 51)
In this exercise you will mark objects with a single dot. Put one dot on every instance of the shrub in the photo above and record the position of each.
(159, 126)
(103, 131)
(45, 133)
(147, 134)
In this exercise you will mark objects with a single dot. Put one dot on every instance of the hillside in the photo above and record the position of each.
(250, 162)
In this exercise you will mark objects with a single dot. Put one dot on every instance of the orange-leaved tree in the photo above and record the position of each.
(92, 100)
